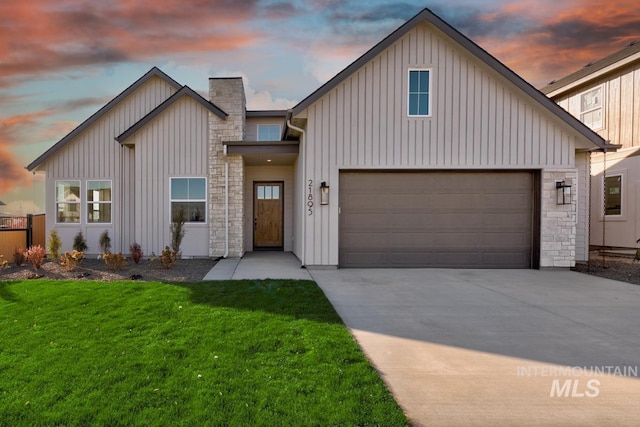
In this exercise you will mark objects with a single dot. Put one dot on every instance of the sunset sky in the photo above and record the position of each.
(61, 60)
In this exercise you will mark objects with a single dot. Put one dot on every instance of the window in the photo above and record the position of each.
(268, 132)
(268, 192)
(591, 108)
(67, 202)
(613, 195)
(189, 195)
(419, 93)
(98, 201)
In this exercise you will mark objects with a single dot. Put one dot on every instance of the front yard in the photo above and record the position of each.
(209, 353)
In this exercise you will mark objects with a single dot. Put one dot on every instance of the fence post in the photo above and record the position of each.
(29, 231)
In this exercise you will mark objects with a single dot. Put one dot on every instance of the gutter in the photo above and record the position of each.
(303, 190)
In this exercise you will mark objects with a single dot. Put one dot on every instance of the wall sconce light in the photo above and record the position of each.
(563, 193)
(324, 193)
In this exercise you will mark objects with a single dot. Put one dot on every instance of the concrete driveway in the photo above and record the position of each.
(489, 347)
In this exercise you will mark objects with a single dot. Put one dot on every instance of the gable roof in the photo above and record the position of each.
(427, 16)
(615, 61)
(154, 72)
(184, 91)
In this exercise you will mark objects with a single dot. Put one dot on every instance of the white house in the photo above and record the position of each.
(605, 95)
(426, 151)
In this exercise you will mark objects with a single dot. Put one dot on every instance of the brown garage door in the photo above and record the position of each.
(438, 219)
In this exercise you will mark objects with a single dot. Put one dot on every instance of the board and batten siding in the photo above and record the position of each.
(621, 93)
(173, 145)
(94, 155)
(478, 121)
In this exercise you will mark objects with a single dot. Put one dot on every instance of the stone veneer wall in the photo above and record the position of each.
(227, 94)
(558, 222)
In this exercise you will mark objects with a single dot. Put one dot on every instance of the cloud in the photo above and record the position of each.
(44, 36)
(13, 175)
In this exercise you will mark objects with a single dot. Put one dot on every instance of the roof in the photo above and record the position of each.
(428, 16)
(184, 91)
(154, 72)
(266, 113)
(629, 54)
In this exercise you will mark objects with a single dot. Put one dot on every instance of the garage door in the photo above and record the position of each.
(438, 219)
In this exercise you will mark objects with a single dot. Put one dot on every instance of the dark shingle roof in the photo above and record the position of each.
(593, 67)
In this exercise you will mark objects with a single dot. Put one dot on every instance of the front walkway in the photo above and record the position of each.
(259, 265)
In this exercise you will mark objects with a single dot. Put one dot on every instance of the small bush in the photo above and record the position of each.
(54, 244)
(70, 260)
(115, 261)
(136, 252)
(18, 256)
(168, 258)
(79, 243)
(35, 255)
(177, 231)
(3, 263)
(105, 242)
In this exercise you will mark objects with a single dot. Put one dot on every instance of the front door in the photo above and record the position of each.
(268, 211)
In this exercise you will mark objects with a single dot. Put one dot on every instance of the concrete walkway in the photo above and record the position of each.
(492, 347)
(259, 265)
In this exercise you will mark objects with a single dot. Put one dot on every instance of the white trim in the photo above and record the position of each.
(79, 202)
(408, 92)
(268, 124)
(110, 202)
(622, 176)
(205, 200)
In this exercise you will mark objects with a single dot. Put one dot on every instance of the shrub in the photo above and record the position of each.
(177, 231)
(54, 244)
(35, 255)
(168, 258)
(105, 241)
(70, 260)
(18, 256)
(114, 261)
(3, 263)
(136, 252)
(79, 243)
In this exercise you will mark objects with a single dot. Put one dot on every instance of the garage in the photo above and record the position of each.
(444, 219)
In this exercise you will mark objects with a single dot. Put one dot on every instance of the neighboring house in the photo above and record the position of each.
(605, 95)
(426, 151)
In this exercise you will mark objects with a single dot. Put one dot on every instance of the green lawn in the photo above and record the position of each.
(252, 353)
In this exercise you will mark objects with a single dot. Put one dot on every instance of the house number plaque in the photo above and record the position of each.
(310, 198)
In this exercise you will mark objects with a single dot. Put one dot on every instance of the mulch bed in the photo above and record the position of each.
(624, 269)
(185, 270)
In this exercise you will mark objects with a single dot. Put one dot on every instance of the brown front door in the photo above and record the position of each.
(267, 215)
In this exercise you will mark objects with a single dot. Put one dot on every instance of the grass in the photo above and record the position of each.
(250, 353)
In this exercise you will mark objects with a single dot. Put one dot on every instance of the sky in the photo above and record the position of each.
(60, 61)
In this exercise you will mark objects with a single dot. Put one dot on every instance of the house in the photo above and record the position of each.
(605, 95)
(424, 152)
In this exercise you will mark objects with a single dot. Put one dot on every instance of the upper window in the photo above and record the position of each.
(190, 196)
(419, 93)
(98, 201)
(591, 108)
(613, 195)
(67, 201)
(268, 132)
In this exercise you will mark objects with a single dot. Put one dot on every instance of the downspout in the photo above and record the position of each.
(226, 202)
(304, 174)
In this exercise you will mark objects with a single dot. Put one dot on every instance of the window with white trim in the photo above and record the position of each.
(67, 202)
(419, 103)
(613, 195)
(190, 196)
(268, 132)
(98, 202)
(591, 108)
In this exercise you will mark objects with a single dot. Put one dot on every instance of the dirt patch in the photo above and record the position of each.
(186, 270)
(624, 269)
